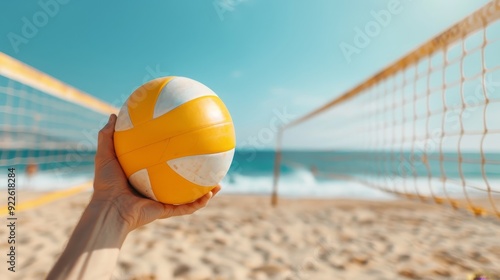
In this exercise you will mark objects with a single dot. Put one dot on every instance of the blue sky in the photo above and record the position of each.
(258, 56)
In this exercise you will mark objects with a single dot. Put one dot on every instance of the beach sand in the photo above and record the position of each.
(243, 237)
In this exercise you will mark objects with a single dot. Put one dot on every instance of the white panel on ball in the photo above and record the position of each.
(204, 170)
(140, 180)
(185, 90)
(123, 121)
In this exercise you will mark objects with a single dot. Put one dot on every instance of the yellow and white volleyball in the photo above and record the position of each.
(174, 139)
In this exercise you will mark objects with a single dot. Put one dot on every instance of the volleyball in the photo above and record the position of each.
(174, 139)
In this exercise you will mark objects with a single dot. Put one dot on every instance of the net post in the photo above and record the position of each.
(277, 165)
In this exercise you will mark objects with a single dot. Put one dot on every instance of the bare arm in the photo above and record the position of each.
(114, 210)
(93, 248)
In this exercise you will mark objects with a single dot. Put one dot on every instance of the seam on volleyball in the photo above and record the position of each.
(157, 97)
(153, 118)
(182, 133)
(165, 82)
(203, 154)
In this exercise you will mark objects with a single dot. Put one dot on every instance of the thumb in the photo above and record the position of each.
(105, 144)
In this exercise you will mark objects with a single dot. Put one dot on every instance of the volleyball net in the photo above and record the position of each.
(426, 127)
(46, 125)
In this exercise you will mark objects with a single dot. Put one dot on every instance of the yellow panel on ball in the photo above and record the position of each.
(174, 139)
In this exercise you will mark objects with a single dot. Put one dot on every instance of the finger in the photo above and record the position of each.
(203, 201)
(199, 203)
(192, 207)
(105, 145)
(216, 190)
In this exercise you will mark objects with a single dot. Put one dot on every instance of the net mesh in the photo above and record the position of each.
(426, 127)
(46, 126)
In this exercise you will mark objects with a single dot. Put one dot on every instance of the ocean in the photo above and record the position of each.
(332, 174)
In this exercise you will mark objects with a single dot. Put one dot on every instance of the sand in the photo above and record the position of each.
(242, 237)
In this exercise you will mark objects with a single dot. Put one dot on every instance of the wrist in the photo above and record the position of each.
(110, 214)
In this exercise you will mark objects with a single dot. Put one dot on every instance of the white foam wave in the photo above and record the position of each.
(300, 183)
(50, 181)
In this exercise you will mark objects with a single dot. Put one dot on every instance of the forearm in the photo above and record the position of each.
(92, 251)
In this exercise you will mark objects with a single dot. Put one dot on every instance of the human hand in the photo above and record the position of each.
(112, 187)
